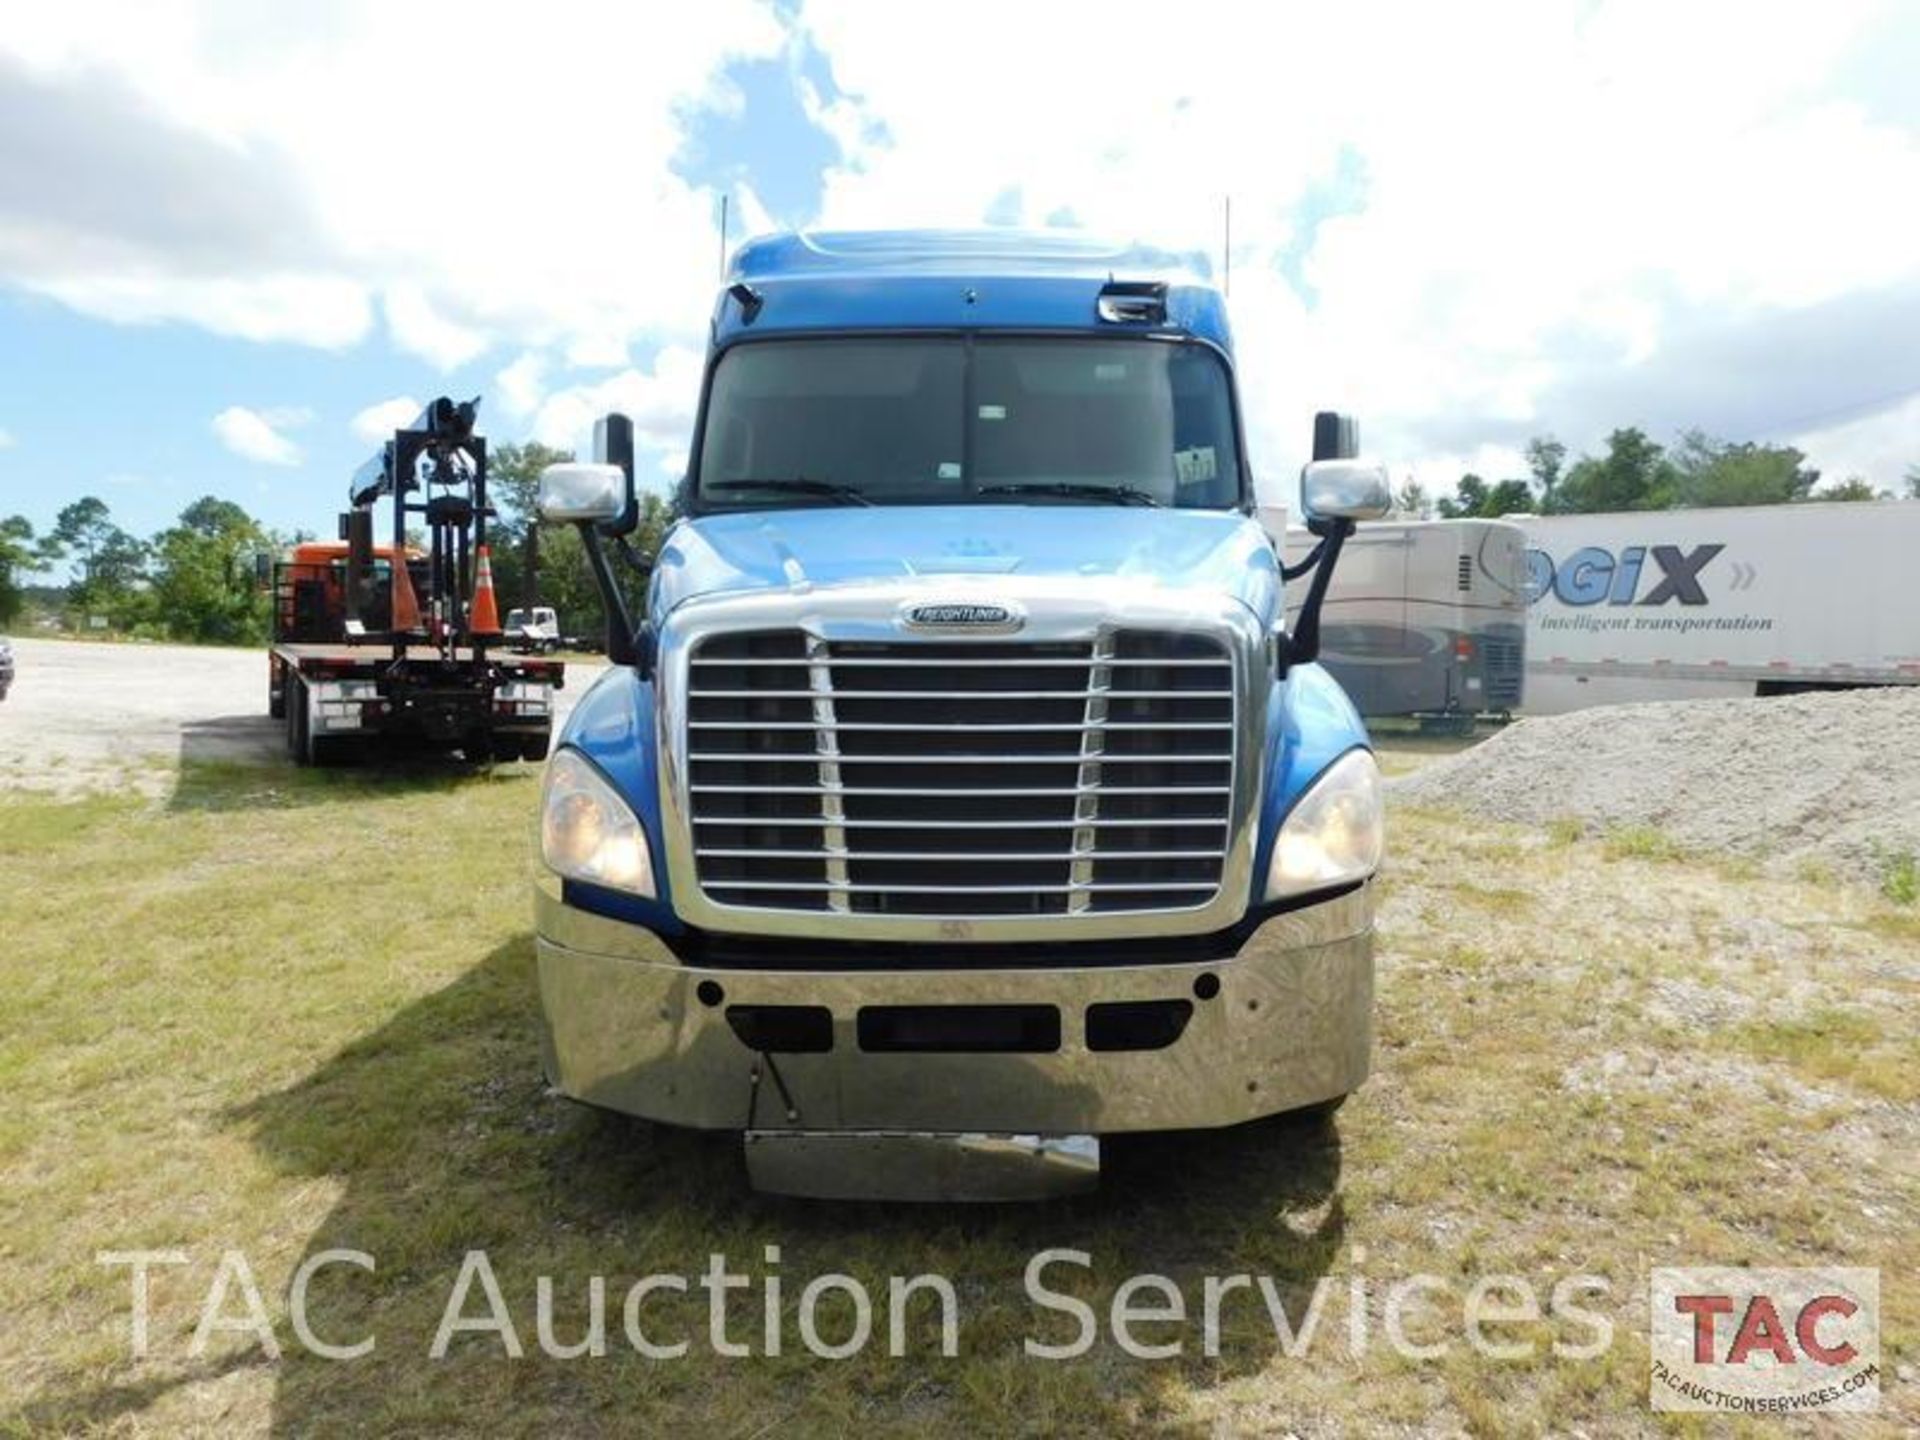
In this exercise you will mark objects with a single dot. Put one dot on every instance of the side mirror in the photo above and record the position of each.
(583, 491)
(598, 496)
(1345, 490)
(613, 445)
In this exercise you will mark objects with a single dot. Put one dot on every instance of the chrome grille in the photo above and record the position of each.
(960, 778)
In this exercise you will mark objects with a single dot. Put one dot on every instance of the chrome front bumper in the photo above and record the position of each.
(626, 1027)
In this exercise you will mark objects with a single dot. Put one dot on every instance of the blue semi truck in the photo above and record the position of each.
(960, 795)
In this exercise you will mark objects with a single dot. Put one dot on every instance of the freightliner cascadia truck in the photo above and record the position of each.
(960, 795)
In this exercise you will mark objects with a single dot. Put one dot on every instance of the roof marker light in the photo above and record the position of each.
(750, 300)
(1141, 302)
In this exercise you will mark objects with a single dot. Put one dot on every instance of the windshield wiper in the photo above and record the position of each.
(1070, 490)
(797, 485)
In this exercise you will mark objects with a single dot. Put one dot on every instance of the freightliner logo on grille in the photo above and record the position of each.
(962, 615)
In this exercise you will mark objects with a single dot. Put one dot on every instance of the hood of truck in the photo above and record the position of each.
(1222, 552)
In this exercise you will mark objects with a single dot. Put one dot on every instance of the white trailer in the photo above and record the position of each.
(1740, 601)
(1425, 619)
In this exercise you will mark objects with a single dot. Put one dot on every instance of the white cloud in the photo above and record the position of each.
(378, 421)
(521, 384)
(326, 311)
(7, 442)
(420, 328)
(1550, 190)
(1882, 447)
(219, 166)
(255, 434)
(1556, 198)
(660, 402)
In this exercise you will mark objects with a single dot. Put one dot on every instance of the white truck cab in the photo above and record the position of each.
(537, 629)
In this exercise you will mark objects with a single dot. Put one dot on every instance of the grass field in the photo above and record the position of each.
(281, 1013)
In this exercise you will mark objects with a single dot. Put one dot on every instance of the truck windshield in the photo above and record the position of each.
(947, 420)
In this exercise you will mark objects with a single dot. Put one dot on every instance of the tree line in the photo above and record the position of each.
(199, 579)
(193, 580)
(1637, 473)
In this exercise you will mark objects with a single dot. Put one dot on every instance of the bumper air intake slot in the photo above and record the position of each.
(1137, 1024)
(960, 1029)
(783, 1029)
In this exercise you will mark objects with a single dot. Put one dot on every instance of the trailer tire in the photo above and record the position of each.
(509, 747)
(306, 747)
(297, 727)
(328, 750)
(320, 750)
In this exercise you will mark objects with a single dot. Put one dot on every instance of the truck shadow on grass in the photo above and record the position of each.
(226, 765)
(444, 1140)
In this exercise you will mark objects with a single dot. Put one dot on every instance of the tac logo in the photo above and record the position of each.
(1595, 576)
(1764, 1341)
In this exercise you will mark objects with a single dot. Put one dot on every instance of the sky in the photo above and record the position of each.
(239, 243)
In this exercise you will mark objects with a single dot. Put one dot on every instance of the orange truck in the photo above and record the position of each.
(370, 656)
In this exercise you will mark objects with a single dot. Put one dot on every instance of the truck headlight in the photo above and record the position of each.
(1335, 832)
(587, 832)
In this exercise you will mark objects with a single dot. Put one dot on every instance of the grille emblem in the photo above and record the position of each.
(962, 615)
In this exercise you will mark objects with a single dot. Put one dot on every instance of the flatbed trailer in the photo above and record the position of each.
(339, 699)
(386, 647)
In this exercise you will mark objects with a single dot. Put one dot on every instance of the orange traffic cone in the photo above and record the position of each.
(484, 619)
(406, 609)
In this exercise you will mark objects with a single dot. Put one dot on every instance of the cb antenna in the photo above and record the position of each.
(1226, 248)
(723, 237)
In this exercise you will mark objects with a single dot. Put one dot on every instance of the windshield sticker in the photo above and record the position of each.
(1196, 466)
(1109, 372)
(949, 470)
(993, 412)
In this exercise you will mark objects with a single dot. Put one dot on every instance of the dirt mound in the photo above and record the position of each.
(1833, 778)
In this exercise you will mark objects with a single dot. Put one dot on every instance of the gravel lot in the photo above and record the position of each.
(1830, 779)
(87, 716)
